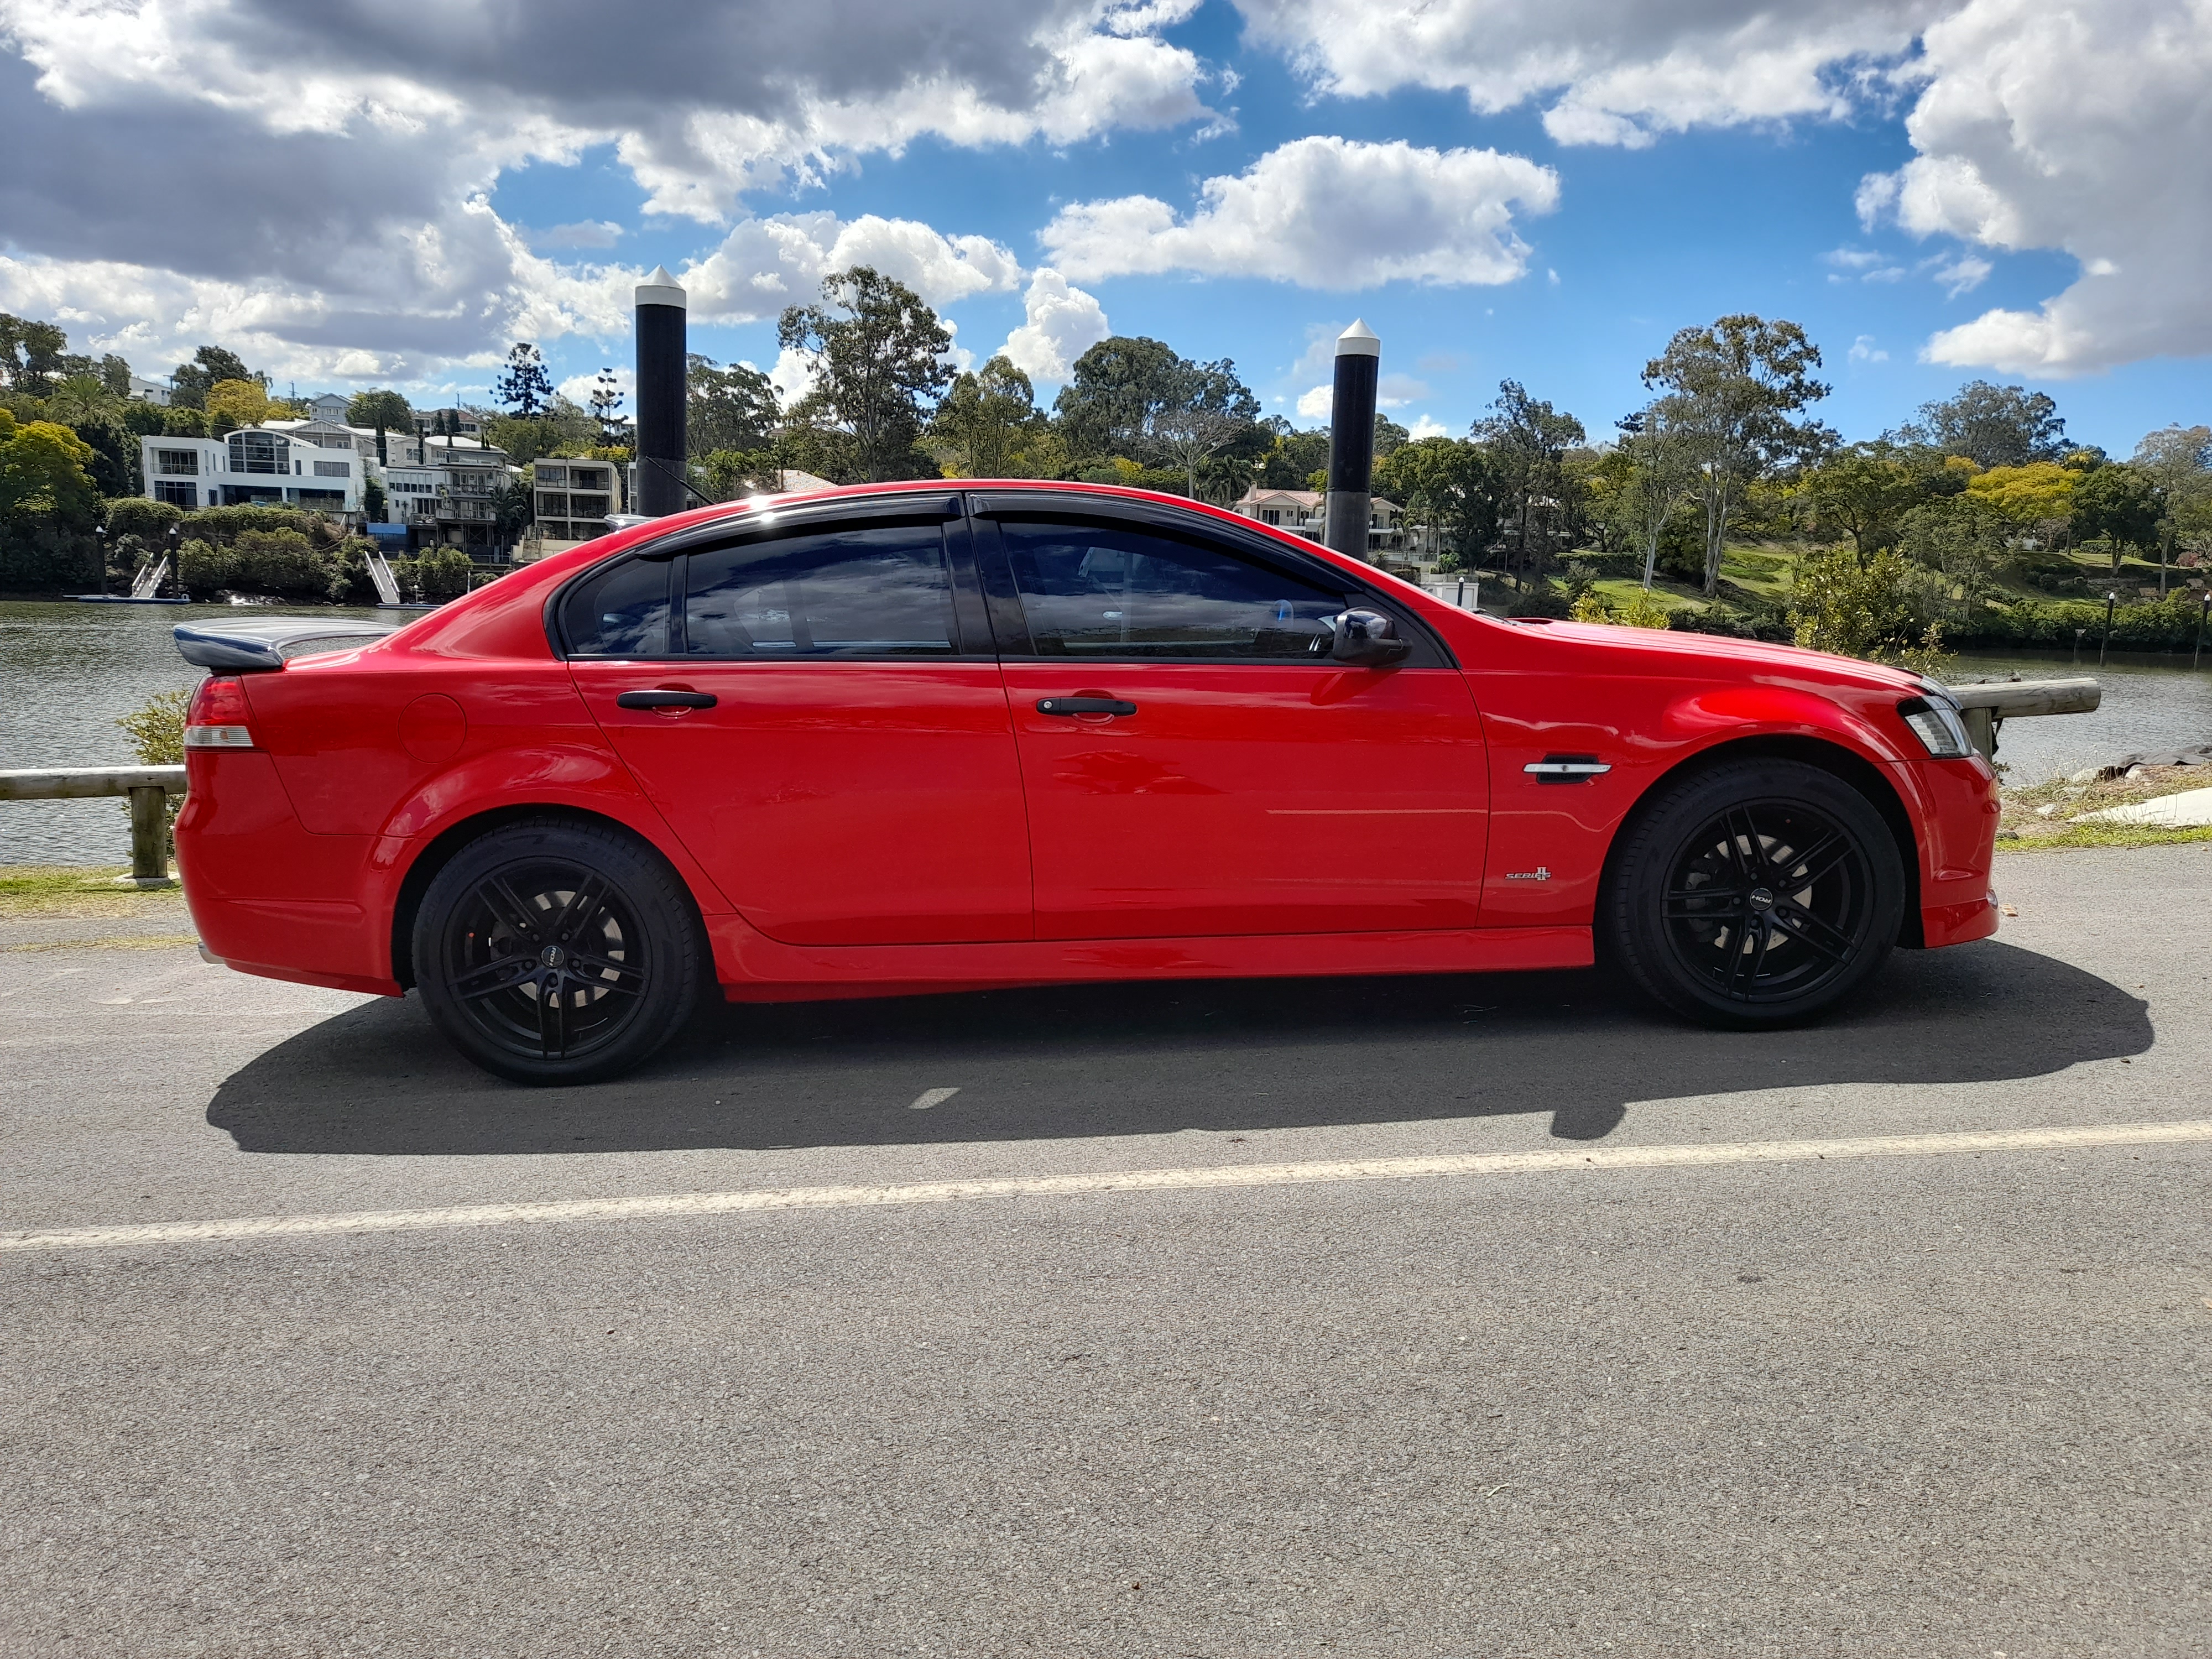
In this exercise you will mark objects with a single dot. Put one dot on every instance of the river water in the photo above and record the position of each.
(67, 672)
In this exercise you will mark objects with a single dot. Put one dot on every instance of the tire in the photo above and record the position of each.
(1760, 893)
(550, 951)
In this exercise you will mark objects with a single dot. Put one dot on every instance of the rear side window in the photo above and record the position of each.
(1110, 591)
(866, 590)
(624, 613)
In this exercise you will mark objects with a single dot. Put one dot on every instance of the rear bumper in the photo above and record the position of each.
(267, 896)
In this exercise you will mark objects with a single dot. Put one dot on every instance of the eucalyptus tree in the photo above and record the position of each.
(876, 357)
(1737, 392)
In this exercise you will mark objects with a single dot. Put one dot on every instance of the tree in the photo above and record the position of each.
(876, 357)
(1447, 486)
(385, 411)
(210, 366)
(1861, 607)
(563, 430)
(1206, 408)
(2179, 458)
(234, 403)
(79, 398)
(1114, 392)
(114, 374)
(1736, 392)
(1527, 440)
(2122, 503)
(524, 388)
(30, 353)
(1865, 491)
(2028, 495)
(986, 419)
(1993, 425)
(1388, 434)
(43, 471)
(733, 408)
(1292, 455)
(1662, 476)
(606, 410)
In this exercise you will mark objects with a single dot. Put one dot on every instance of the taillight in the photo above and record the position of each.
(218, 717)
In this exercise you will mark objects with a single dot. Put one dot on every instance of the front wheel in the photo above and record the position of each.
(549, 951)
(1760, 893)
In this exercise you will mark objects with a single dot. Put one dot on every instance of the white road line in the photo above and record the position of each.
(671, 1205)
(929, 1097)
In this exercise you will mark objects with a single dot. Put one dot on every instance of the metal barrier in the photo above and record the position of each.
(148, 788)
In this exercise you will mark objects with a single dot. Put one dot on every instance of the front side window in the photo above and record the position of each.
(178, 463)
(332, 470)
(1112, 591)
(260, 451)
(866, 590)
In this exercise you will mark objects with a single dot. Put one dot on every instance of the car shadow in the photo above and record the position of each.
(1155, 1058)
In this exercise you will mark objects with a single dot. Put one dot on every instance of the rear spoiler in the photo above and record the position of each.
(272, 641)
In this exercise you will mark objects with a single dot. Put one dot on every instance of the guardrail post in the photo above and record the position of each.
(149, 838)
(1982, 727)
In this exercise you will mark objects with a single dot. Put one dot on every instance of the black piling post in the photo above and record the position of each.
(2203, 611)
(2111, 599)
(661, 317)
(1351, 441)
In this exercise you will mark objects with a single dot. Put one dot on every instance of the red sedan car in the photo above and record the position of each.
(911, 738)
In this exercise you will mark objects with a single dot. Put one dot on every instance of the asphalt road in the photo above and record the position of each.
(1929, 1404)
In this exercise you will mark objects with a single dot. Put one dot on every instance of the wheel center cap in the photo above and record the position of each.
(1761, 899)
(553, 956)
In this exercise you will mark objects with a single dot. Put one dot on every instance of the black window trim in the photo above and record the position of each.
(1011, 623)
(975, 642)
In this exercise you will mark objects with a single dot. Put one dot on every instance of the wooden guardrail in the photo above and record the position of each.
(1989, 706)
(148, 788)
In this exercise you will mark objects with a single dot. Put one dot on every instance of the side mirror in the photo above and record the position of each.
(1366, 639)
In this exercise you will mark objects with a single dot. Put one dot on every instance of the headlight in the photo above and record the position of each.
(1934, 721)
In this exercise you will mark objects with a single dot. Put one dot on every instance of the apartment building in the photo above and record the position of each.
(573, 498)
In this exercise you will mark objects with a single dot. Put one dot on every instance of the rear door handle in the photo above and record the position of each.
(666, 700)
(1085, 706)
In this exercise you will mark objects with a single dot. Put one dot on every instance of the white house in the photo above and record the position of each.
(1301, 511)
(253, 466)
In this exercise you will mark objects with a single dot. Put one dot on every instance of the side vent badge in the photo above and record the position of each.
(1567, 769)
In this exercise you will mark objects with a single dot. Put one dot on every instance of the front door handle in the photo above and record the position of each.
(1085, 706)
(666, 700)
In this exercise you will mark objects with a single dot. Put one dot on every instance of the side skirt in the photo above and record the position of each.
(755, 969)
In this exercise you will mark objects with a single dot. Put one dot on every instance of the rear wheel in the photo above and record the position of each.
(1759, 893)
(549, 951)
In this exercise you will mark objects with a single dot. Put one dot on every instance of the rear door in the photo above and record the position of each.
(815, 707)
(1195, 766)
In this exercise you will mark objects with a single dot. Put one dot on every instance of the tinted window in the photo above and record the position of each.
(624, 613)
(866, 590)
(1105, 591)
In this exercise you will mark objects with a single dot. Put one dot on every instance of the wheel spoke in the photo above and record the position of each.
(1806, 870)
(1745, 965)
(583, 904)
(500, 899)
(505, 974)
(1815, 934)
(590, 970)
(1744, 845)
(552, 1019)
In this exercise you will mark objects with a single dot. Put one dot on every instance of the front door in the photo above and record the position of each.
(816, 713)
(1194, 766)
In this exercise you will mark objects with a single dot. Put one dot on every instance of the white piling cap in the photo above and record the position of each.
(1358, 341)
(659, 289)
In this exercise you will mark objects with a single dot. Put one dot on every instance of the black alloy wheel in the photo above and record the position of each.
(555, 951)
(1758, 893)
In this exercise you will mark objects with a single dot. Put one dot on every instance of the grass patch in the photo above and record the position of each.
(2047, 815)
(61, 891)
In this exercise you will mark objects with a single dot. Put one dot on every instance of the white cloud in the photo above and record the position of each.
(1059, 324)
(1864, 350)
(765, 265)
(2078, 128)
(1614, 71)
(1852, 258)
(321, 181)
(1328, 213)
(1397, 391)
(1427, 426)
(588, 233)
(1315, 405)
(1963, 274)
(579, 388)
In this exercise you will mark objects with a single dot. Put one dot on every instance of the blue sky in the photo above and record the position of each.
(2045, 217)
